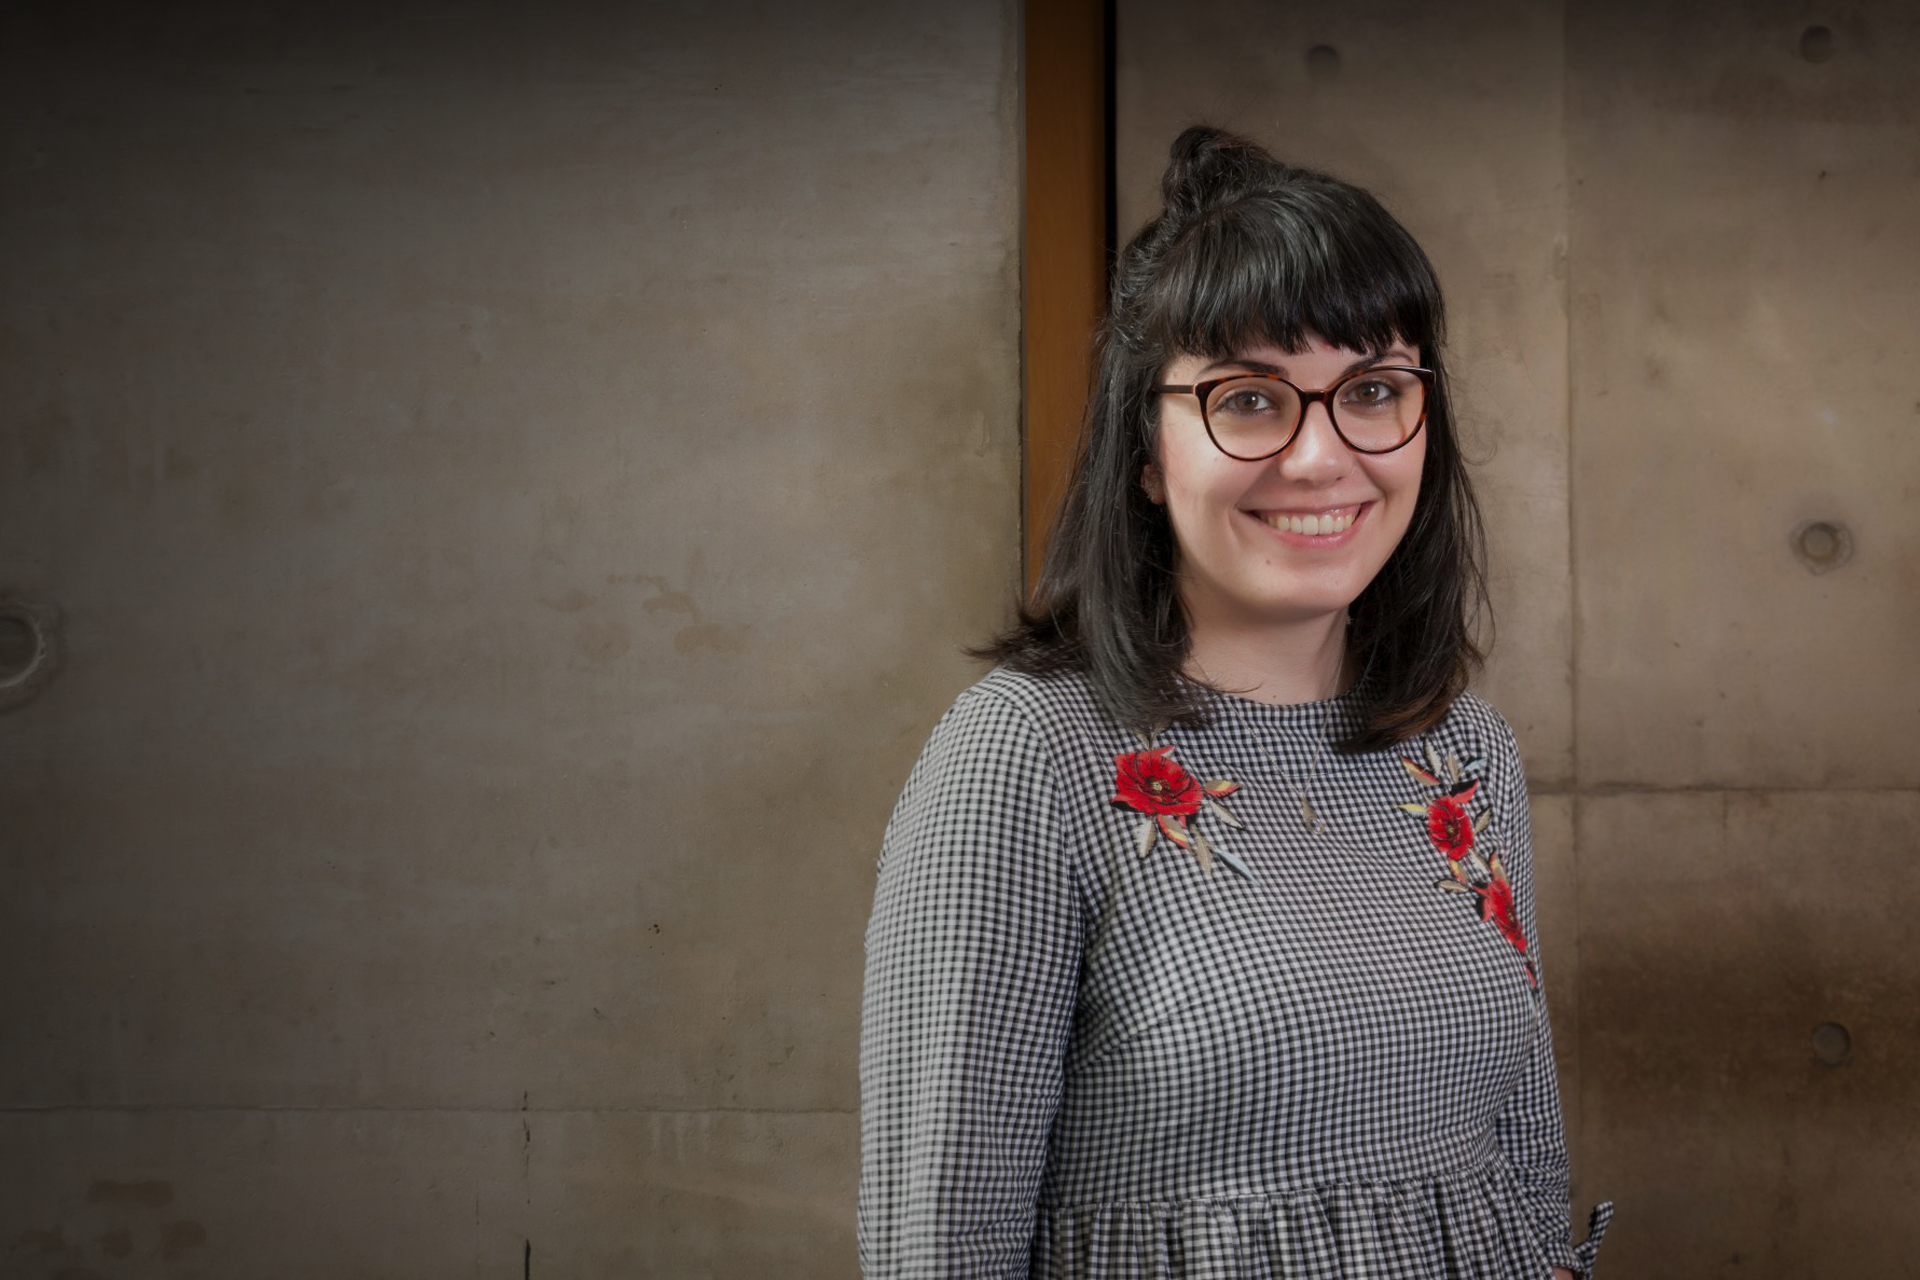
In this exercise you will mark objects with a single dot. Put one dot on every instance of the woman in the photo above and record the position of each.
(1204, 937)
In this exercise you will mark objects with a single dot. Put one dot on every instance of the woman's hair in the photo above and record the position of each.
(1250, 251)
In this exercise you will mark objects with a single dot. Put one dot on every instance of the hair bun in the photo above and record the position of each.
(1207, 167)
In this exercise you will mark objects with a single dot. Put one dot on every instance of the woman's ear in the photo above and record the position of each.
(1150, 481)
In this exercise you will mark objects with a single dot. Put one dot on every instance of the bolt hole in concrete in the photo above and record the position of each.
(1816, 44)
(1822, 544)
(1323, 59)
(1831, 1043)
(17, 646)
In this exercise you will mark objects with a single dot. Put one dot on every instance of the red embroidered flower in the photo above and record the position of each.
(1496, 906)
(1454, 831)
(1449, 826)
(1150, 783)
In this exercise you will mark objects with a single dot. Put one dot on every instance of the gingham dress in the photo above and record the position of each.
(1081, 1061)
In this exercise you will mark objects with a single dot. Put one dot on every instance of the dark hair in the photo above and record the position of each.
(1248, 251)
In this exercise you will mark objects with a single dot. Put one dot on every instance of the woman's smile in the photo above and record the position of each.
(1318, 529)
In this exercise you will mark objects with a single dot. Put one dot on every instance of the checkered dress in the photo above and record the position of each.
(1078, 1060)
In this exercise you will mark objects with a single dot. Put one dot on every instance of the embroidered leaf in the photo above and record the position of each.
(1480, 823)
(1453, 767)
(1143, 837)
(1417, 810)
(1233, 860)
(1465, 791)
(1225, 815)
(1220, 787)
(1419, 774)
(1475, 765)
(1174, 829)
(1203, 851)
(1451, 886)
(1146, 743)
(1433, 757)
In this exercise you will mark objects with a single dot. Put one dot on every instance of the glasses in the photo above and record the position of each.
(1251, 416)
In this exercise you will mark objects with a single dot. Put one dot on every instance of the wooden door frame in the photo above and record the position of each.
(1067, 241)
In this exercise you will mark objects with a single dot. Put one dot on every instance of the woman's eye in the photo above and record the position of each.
(1243, 402)
(1370, 393)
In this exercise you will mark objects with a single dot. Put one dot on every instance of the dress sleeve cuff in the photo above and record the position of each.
(1578, 1258)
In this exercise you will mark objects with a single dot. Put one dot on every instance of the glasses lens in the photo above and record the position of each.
(1380, 409)
(1252, 417)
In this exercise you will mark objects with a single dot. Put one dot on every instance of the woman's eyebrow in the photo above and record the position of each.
(1240, 362)
(1391, 353)
(1262, 366)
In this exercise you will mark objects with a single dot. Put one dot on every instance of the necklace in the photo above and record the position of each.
(1315, 825)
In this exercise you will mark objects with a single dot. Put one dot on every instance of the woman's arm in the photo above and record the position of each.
(1531, 1130)
(972, 955)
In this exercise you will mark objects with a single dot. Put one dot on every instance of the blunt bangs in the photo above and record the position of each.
(1278, 268)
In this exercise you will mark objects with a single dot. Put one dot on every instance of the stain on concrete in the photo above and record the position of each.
(709, 635)
(571, 601)
(117, 1243)
(144, 1195)
(45, 1242)
(670, 600)
(177, 1239)
(603, 639)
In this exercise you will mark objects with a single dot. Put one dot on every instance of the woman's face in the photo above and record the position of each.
(1245, 557)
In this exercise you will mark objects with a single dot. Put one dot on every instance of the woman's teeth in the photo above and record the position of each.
(1313, 526)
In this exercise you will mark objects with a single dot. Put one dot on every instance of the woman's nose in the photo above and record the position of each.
(1316, 452)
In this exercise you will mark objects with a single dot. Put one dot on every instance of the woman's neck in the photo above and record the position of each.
(1278, 664)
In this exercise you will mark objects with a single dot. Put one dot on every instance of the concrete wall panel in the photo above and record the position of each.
(1723, 937)
(308, 1195)
(1747, 285)
(696, 1194)
(517, 481)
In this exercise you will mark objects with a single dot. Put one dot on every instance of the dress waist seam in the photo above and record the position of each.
(1482, 1167)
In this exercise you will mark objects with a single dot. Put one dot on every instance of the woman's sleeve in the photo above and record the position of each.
(972, 957)
(1531, 1130)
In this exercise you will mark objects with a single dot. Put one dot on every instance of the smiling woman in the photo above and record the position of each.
(1088, 1051)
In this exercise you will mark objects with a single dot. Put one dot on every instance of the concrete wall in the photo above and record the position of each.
(1680, 247)
(515, 478)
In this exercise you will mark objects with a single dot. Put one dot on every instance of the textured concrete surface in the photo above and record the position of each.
(319, 1194)
(1746, 287)
(1747, 282)
(1680, 249)
(1721, 930)
(516, 481)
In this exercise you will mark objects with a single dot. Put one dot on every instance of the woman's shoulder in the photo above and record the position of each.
(1057, 704)
(1016, 722)
(1479, 736)
(1473, 715)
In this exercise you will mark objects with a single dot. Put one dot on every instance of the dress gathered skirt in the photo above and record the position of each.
(1214, 1002)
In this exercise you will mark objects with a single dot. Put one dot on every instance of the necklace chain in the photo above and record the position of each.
(1313, 822)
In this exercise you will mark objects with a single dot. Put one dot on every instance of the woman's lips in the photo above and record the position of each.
(1327, 522)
